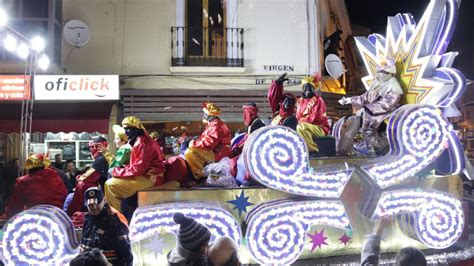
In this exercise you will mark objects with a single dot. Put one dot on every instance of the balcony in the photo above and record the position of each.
(213, 46)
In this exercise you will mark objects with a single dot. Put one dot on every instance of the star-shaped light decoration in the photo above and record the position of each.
(318, 239)
(344, 239)
(156, 245)
(240, 203)
(419, 51)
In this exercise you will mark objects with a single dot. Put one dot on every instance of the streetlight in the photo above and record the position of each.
(10, 42)
(43, 62)
(37, 44)
(23, 50)
(33, 52)
(3, 18)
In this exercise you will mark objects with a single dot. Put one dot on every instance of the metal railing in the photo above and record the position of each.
(213, 46)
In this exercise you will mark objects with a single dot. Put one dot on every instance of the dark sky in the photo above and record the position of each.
(373, 14)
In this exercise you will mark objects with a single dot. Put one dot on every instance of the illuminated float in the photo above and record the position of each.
(324, 207)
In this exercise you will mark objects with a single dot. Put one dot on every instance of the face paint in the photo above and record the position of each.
(288, 103)
(308, 91)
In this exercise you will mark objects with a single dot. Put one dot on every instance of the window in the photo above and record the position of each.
(202, 36)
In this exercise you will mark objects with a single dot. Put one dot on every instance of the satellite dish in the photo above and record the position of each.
(76, 33)
(334, 65)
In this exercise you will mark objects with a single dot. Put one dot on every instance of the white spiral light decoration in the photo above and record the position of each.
(41, 235)
(153, 220)
(278, 158)
(276, 230)
(434, 218)
(418, 134)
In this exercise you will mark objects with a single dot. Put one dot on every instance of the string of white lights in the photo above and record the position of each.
(276, 230)
(156, 219)
(277, 157)
(434, 218)
(38, 236)
(421, 134)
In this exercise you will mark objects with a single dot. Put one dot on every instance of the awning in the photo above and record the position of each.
(58, 116)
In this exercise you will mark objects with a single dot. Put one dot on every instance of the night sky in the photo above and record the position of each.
(373, 14)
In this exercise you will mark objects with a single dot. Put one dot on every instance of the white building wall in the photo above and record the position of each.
(133, 38)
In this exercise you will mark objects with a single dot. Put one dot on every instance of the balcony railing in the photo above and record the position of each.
(213, 46)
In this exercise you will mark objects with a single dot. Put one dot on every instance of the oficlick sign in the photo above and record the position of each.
(76, 87)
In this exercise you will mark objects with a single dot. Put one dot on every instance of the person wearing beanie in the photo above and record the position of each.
(193, 242)
(96, 175)
(212, 145)
(105, 228)
(41, 185)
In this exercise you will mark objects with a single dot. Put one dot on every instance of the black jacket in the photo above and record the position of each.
(108, 233)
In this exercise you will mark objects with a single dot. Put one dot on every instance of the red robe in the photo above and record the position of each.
(42, 187)
(216, 137)
(146, 159)
(313, 111)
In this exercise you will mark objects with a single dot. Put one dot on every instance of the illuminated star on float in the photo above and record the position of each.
(345, 239)
(318, 239)
(156, 245)
(241, 203)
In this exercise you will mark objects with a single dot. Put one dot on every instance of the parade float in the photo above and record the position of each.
(313, 208)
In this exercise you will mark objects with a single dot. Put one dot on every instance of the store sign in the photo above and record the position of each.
(76, 87)
(13, 88)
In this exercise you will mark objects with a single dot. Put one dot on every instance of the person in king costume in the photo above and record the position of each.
(310, 109)
(282, 104)
(41, 185)
(311, 112)
(375, 106)
(144, 170)
(212, 145)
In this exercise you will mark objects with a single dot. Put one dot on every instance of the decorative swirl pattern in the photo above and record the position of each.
(156, 219)
(278, 158)
(434, 218)
(418, 134)
(276, 230)
(40, 235)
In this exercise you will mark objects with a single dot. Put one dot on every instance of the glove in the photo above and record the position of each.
(344, 101)
(281, 79)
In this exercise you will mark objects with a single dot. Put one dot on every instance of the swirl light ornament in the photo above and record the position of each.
(418, 134)
(41, 235)
(278, 158)
(154, 220)
(433, 218)
(276, 230)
